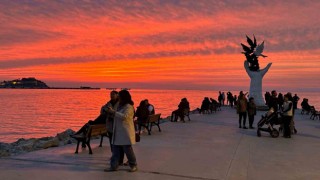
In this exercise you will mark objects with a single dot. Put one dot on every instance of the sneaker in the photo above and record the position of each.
(133, 169)
(245, 127)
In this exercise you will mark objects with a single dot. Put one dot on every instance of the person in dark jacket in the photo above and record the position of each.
(267, 96)
(113, 103)
(183, 106)
(295, 101)
(142, 113)
(273, 101)
(205, 106)
(242, 105)
(252, 111)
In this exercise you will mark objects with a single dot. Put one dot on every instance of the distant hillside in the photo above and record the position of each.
(30, 82)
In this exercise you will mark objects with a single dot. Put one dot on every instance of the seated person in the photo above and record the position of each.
(142, 114)
(183, 105)
(305, 105)
(205, 106)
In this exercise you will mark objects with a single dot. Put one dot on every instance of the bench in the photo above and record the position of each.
(314, 113)
(151, 121)
(93, 130)
(176, 114)
(307, 111)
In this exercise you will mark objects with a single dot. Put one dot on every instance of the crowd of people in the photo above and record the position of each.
(120, 118)
(286, 104)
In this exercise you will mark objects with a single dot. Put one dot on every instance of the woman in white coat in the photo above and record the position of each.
(123, 132)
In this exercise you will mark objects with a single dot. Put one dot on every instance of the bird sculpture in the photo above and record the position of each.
(253, 52)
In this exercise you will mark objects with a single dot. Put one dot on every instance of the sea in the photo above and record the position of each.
(35, 113)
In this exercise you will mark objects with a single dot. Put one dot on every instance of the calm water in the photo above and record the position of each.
(28, 113)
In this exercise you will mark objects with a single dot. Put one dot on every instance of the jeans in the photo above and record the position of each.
(117, 155)
(110, 134)
(244, 115)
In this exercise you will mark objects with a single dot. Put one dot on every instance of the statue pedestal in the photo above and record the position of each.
(256, 85)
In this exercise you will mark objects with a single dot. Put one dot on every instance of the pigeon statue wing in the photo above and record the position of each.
(246, 48)
(250, 42)
(259, 49)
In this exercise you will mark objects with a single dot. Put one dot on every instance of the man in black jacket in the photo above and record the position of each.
(273, 101)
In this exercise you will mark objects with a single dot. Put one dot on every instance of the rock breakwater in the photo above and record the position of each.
(33, 144)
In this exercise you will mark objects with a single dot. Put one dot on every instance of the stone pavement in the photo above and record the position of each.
(210, 146)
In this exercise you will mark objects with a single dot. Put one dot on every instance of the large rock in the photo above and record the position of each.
(4, 153)
(28, 145)
(5, 149)
(65, 135)
(46, 143)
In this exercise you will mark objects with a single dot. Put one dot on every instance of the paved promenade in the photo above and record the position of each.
(211, 146)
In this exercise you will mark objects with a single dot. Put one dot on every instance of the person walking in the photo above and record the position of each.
(242, 109)
(123, 132)
(252, 111)
(287, 111)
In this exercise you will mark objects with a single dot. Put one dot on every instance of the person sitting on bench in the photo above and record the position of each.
(184, 104)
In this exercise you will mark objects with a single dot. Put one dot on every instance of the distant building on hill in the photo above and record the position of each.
(30, 82)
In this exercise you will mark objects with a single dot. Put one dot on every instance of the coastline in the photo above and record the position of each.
(210, 146)
(23, 145)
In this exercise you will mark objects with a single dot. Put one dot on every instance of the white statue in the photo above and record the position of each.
(252, 67)
(256, 83)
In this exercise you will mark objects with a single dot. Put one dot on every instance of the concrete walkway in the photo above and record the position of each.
(211, 146)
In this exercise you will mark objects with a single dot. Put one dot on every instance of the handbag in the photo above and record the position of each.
(137, 137)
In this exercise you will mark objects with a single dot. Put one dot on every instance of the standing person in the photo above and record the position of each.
(223, 98)
(235, 99)
(113, 103)
(150, 107)
(267, 96)
(228, 95)
(280, 100)
(230, 98)
(242, 109)
(295, 101)
(287, 116)
(273, 101)
(252, 111)
(123, 132)
(220, 98)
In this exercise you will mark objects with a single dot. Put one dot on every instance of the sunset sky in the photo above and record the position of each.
(167, 44)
